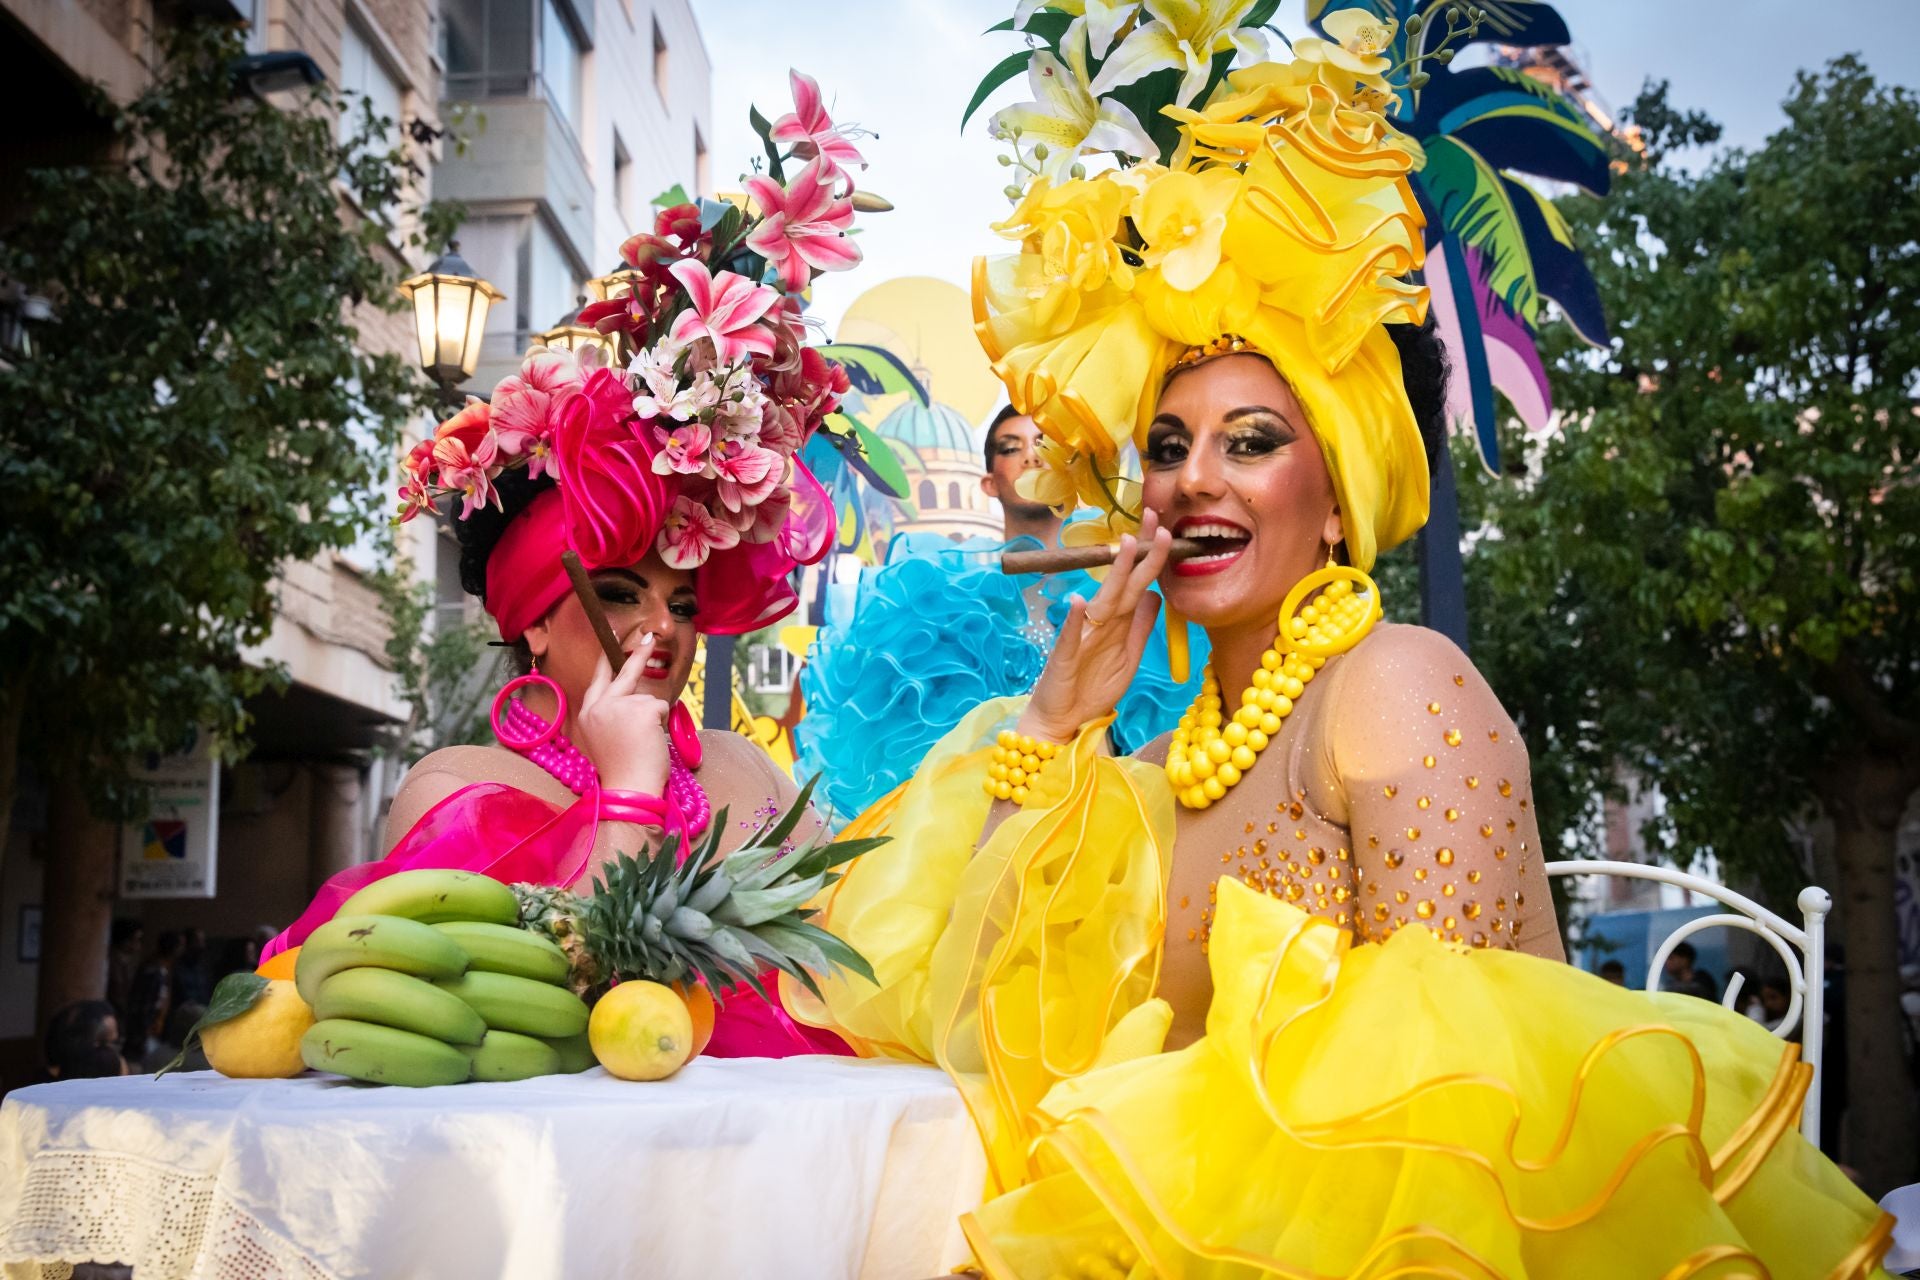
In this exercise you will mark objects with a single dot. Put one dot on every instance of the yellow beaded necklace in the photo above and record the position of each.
(1203, 759)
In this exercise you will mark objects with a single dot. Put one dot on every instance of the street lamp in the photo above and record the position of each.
(617, 283)
(450, 305)
(570, 335)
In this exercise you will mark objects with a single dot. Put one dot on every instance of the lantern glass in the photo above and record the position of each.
(450, 306)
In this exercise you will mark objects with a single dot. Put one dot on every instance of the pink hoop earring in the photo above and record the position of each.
(540, 739)
(684, 734)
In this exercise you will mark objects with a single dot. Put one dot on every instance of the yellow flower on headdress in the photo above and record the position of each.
(1071, 226)
(1353, 62)
(1359, 42)
(1182, 216)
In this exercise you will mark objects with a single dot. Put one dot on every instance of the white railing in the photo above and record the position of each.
(1802, 948)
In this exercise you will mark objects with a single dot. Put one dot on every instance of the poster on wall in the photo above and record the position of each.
(173, 851)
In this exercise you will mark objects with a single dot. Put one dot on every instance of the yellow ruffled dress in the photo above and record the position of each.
(1384, 1110)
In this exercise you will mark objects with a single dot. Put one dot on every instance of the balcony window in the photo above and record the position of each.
(363, 75)
(489, 48)
(560, 63)
(659, 62)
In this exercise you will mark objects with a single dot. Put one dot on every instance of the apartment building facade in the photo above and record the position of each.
(309, 799)
(572, 116)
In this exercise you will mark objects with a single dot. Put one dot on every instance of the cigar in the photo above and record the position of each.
(590, 601)
(1062, 559)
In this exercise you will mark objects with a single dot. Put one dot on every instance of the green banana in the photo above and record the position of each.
(432, 895)
(381, 1055)
(399, 1000)
(380, 942)
(508, 1055)
(509, 1003)
(575, 1054)
(505, 948)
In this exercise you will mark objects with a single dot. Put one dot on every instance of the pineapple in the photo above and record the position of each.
(717, 920)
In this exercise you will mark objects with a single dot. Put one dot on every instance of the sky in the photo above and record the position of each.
(906, 68)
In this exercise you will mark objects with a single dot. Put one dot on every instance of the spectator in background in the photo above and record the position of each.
(1615, 972)
(83, 1042)
(152, 997)
(193, 975)
(129, 940)
(167, 1046)
(1684, 976)
(1775, 999)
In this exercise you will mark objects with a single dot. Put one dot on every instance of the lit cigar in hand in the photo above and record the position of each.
(1063, 559)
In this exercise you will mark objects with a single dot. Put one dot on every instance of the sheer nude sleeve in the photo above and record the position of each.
(1438, 797)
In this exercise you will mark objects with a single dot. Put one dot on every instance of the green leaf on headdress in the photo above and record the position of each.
(673, 195)
(1007, 68)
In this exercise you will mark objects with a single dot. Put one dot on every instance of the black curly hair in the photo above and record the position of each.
(480, 533)
(1423, 371)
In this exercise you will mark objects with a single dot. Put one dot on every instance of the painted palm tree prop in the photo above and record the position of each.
(846, 455)
(1497, 251)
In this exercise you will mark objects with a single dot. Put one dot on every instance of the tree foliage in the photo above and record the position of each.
(1709, 577)
(200, 409)
(1721, 545)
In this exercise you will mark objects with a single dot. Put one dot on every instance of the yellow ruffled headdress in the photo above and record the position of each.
(1283, 224)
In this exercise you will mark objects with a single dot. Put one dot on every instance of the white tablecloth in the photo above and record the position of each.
(745, 1168)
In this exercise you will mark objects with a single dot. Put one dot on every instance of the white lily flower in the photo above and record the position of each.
(1104, 20)
(1065, 114)
(1184, 34)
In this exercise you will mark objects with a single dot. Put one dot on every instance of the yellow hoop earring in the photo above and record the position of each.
(1335, 623)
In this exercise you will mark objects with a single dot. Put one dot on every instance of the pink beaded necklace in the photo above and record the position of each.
(687, 805)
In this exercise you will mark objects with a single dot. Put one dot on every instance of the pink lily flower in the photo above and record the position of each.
(726, 309)
(765, 521)
(747, 473)
(812, 133)
(525, 404)
(468, 474)
(803, 228)
(683, 450)
(691, 534)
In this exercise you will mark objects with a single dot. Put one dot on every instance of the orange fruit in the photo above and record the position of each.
(700, 1009)
(641, 1031)
(280, 966)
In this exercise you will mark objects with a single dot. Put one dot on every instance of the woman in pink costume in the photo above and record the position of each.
(676, 482)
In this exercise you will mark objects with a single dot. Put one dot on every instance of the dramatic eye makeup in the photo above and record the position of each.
(623, 588)
(1252, 432)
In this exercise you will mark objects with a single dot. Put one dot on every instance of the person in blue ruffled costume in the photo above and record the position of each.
(923, 638)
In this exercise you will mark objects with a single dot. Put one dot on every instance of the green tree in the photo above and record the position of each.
(1709, 579)
(200, 411)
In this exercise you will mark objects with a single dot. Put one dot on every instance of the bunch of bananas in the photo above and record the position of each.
(425, 978)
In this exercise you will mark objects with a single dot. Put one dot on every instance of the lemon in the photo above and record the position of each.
(641, 1031)
(264, 1042)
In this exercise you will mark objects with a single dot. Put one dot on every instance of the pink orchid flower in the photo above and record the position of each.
(525, 405)
(691, 534)
(812, 133)
(726, 308)
(747, 473)
(683, 450)
(803, 227)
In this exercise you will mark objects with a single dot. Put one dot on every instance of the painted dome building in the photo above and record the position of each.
(939, 450)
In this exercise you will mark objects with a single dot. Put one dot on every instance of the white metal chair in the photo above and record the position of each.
(1802, 948)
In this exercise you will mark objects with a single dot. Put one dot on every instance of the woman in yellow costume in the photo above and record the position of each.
(1282, 993)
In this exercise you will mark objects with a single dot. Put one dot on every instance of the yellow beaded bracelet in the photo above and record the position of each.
(1017, 761)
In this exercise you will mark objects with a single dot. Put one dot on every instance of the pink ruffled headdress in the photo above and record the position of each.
(692, 449)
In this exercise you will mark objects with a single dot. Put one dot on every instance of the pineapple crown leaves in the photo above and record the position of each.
(721, 921)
